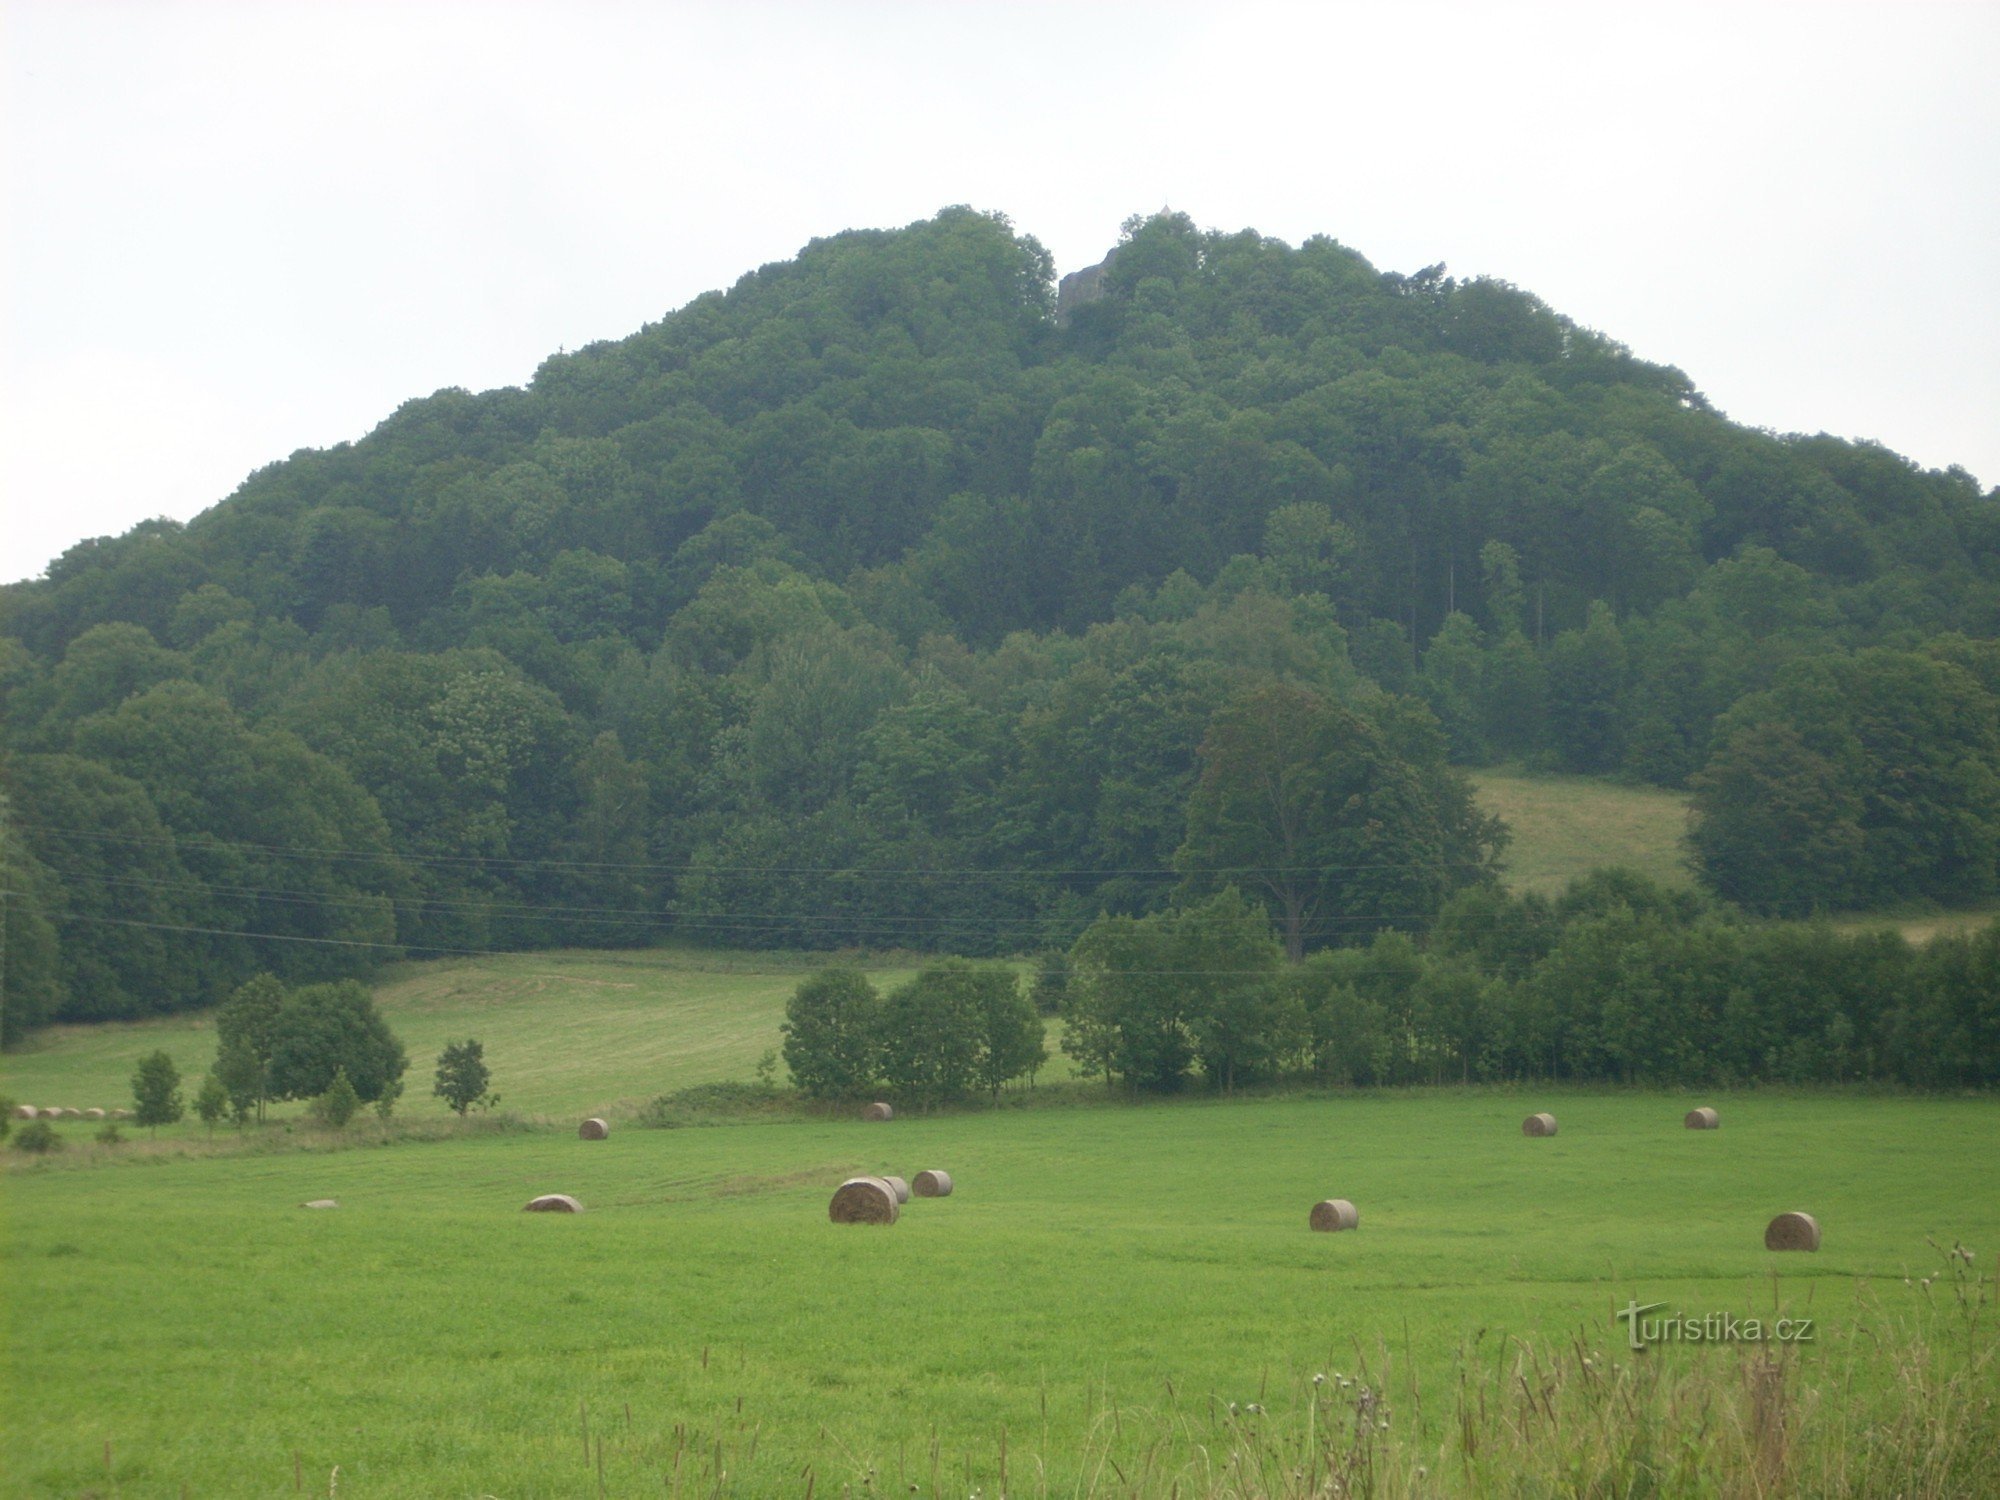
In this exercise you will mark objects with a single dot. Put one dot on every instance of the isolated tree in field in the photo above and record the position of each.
(461, 1075)
(832, 1034)
(324, 1029)
(156, 1091)
(211, 1101)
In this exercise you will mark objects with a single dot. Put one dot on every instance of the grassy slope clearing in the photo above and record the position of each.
(564, 1033)
(430, 1339)
(1567, 826)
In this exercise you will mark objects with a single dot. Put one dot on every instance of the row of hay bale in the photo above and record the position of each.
(880, 1200)
(1544, 1124)
(61, 1112)
(1789, 1231)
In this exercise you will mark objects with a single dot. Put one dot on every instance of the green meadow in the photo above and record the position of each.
(1106, 1279)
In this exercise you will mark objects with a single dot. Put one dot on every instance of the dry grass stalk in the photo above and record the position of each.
(878, 1111)
(1702, 1119)
(1538, 1125)
(1334, 1214)
(864, 1200)
(1792, 1231)
(553, 1203)
(932, 1184)
(593, 1129)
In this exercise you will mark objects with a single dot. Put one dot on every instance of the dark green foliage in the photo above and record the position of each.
(864, 604)
(244, 1077)
(1316, 810)
(933, 1031)
(211, 1100)
(1854, 781)
(832, 1032)
(461, 1075)
(245, 1038)
(37, 1138)
(337, 1105)
(1149, 998)
(327, 1029)
(156, 1091)
(31, 980)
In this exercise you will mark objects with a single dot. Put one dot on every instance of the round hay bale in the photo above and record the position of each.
(121, 1114)
(322, 1203)
(71, 1114)
(864, 1200)
(553, 1203)
(931, 1184)
(878, 1111)
(1542, 1124)
(902, 1188)
(593, 1129)
(1792, 1232)
(93, 1113)
(1702, 1119)
(26, 1112)
(1335, 1214)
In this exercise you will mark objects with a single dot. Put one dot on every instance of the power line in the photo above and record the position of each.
(968, 872)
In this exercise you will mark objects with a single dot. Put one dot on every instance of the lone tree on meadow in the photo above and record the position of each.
(461, 1075)
(156, 1091)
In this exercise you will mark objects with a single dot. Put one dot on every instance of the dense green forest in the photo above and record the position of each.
(871, 603)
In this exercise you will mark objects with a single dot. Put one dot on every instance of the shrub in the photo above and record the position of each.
(39, 1137)
(337, 1105)
(708, 1103)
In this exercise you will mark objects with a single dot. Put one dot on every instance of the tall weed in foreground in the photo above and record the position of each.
(1526, 1419)
(1585, 1418)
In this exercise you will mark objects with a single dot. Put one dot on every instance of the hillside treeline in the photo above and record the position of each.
(869, 603)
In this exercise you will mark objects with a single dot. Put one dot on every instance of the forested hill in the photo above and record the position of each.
(871, 603)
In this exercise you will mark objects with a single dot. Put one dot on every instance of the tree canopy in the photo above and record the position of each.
(870, 603)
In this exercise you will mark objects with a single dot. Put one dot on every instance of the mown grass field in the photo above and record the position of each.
(1567, 826)
(1100, 1268)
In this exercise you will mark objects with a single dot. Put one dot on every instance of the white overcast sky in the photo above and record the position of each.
(232, 230)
